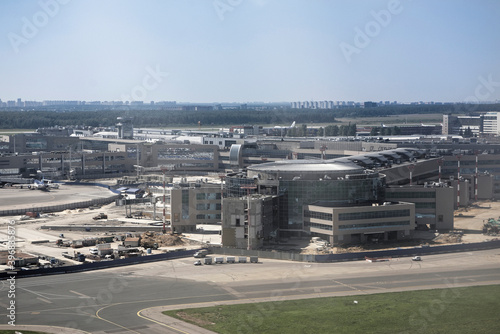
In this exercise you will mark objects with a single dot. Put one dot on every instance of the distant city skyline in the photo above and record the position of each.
(313, 104)
(245, 51)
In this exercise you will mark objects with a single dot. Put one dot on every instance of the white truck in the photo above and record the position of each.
(201, 253)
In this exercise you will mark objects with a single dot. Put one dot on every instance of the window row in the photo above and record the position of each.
(318, 215)
(425, 205)
(209, 216)
(208, 206)
(208, 196)
(319, 226)
(372, 225)
(374, 214)
(413, 194)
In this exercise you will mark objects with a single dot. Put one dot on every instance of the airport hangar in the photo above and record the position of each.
(340, 200)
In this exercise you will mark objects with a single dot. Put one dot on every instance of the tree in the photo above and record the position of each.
(343, 130)
(335, 130)
(352, 130)
(321, 132)
(304, 130)
(374, 131)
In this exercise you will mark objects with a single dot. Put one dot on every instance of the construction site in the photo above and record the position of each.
(108, 232)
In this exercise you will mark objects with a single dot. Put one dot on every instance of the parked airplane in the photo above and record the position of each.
(30, 183)
(43, 184)
(39, 185)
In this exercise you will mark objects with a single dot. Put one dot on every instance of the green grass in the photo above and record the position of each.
(452, 310)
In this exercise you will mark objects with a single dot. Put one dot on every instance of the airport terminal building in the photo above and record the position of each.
(341, 200)
(360, 223)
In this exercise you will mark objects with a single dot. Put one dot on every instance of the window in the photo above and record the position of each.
(425, 205)
(185, 203)
(414, 194)
(373, 214)
(372, 225)
(208, 206)
(318, 215)
(208, 196)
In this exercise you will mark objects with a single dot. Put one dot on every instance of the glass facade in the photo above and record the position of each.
(185, 203)
(297, 193)
(234, 184)
(185, 153)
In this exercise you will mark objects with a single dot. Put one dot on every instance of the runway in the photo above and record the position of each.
(108, 301)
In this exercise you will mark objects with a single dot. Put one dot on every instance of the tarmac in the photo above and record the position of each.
(14, 198)
(46, 329)
(11, 198)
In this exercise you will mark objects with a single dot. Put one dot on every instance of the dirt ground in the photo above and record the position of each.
(470, 220)
(468, 228)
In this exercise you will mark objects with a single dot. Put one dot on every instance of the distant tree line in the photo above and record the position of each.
(18, 119)
(161, 118)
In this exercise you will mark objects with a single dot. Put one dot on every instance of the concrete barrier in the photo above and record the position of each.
(359, 255)
(99, 265)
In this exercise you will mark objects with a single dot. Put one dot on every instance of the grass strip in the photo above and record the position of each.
(450, 310)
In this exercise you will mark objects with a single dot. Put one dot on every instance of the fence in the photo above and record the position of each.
(100, 265)
(359, 255)
(129, 201)
(105, 228)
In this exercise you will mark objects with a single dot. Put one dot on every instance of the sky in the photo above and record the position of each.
(250, 50)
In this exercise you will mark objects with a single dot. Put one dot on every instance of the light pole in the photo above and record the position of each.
(138, 167)
(248, 187)
(458, 180)
(222, 178)
(164, 171)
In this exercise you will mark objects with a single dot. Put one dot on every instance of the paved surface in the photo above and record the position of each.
(129, 299)
(15, 198)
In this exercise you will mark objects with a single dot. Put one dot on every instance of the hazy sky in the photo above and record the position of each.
(250, 50)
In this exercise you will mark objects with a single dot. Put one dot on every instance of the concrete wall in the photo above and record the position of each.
(444, 209)
(357, 255)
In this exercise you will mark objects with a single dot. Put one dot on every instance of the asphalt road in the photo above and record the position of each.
(108, 301)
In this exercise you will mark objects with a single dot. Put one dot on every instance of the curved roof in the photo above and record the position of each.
(307, 166)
